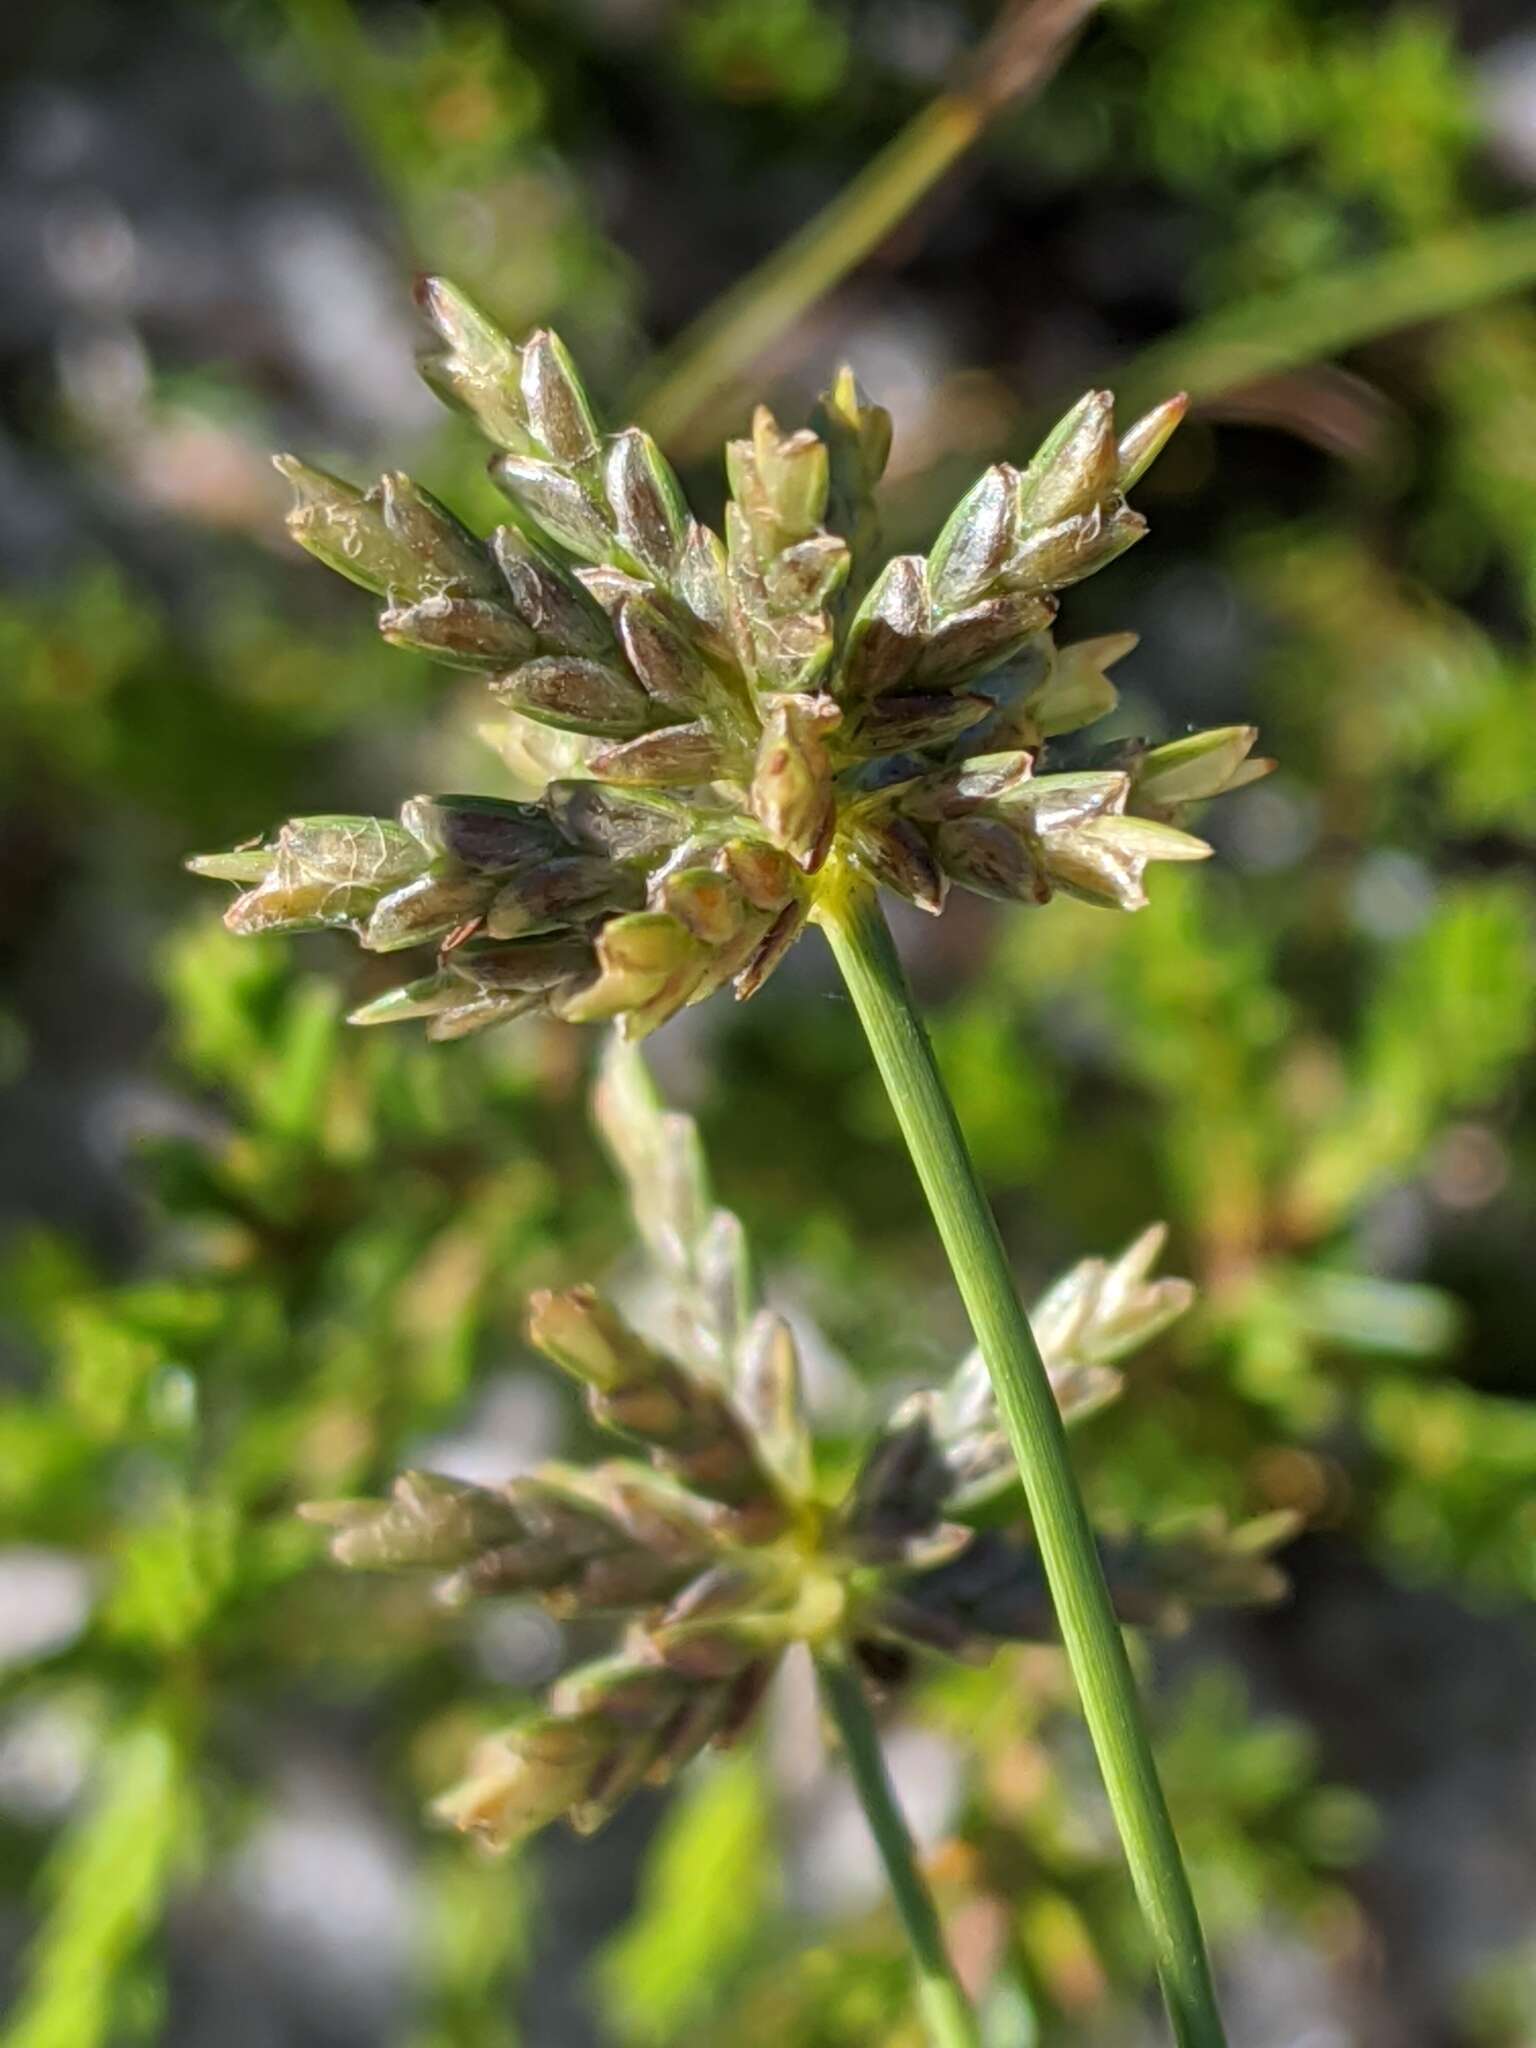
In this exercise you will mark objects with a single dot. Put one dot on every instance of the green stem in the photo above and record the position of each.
(1323, 316)
(945, 2008)
(748, 318)
(1028, 41)
(861, 942)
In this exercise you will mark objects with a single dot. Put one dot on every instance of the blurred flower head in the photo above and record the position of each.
(719, 1543)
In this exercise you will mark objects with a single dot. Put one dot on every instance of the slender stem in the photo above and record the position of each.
(1027, 43)
(749, 317)
(861, 942)
(1324, 315)
(945, 2008)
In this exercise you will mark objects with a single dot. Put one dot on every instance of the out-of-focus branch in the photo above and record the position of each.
(1025, 47)
(1262, 337)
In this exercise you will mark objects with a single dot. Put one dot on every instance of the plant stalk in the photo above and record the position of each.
(1340, 309)
(861, 941)
(751, 316)
(1027, 43)
(946, 2010)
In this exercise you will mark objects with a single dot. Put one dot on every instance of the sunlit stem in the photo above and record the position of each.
(1335, 310)
(850, 914)
(1028, 40)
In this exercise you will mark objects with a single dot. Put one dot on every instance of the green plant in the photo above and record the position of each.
(345, 1218)
(733, 1544)
(753, 733)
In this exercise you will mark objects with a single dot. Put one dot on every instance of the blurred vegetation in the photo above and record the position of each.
(250, 1258)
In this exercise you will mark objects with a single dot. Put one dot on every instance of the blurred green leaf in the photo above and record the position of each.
(709, 1883)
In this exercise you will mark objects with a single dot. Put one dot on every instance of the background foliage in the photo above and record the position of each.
(248, 1258)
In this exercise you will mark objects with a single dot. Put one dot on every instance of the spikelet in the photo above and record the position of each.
(718, 1553)
(705, 718)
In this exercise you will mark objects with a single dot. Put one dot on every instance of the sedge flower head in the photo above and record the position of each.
(720, 1539)
(717, 726)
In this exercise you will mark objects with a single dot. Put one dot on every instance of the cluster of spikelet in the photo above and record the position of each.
(710, 721)
(726, 1546)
